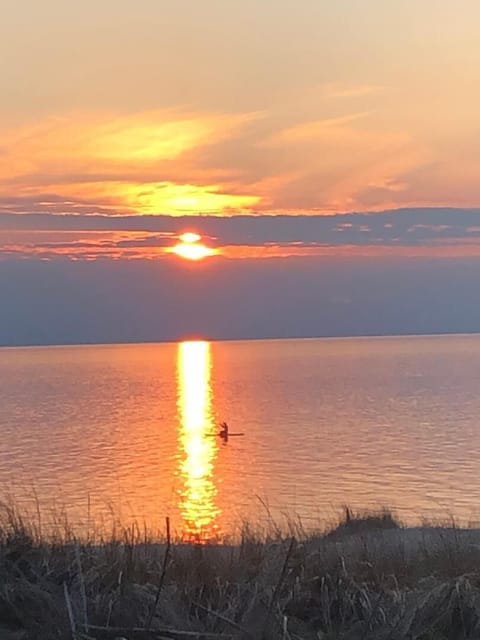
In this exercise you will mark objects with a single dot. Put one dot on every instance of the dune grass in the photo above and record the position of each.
(366, 578)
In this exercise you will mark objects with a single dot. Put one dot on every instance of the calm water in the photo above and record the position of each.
(130, 430)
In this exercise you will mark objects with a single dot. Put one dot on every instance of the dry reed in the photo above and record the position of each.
(368, 578)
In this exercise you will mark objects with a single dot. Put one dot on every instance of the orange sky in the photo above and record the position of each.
(223, 108)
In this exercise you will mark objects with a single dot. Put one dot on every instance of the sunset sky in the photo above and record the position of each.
(296, 136)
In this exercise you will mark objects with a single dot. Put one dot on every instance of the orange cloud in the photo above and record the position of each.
(347, 156)
(160, 197)
(138, 163)
(80, 251)
(175, 162)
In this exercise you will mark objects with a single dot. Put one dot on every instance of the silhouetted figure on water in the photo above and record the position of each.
(223, 433)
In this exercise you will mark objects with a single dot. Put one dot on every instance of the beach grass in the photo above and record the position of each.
(368, 577)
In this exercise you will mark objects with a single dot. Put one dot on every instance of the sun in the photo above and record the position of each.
(191, 248)
(189, 237)
(193, 251)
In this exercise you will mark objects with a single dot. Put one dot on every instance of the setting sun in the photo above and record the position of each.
(190, 237)
(191, 248)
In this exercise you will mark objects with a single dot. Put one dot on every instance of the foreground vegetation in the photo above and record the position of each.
(368, 578)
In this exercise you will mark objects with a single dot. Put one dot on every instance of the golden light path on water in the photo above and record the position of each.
(198, 443)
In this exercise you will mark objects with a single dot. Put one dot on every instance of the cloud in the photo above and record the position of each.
(352, 91)
(405, 232)
(318, 129)
(347, 157)
(143, 162)
(324, 158)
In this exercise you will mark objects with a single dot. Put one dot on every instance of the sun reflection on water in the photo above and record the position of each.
(198, 443)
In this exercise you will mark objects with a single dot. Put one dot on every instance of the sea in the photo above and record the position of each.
(126, 436)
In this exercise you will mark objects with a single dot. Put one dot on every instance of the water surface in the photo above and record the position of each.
(130, 430)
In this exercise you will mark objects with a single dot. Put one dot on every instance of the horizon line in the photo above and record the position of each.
(254, 339)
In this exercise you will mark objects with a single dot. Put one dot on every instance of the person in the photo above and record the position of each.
(224, 431)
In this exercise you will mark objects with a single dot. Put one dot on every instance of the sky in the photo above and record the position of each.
(310, 144)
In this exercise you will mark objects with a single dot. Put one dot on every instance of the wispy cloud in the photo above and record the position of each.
(319, 128)
(352, 91)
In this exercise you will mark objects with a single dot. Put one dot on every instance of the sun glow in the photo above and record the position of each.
(199, 448)
(191, 248)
